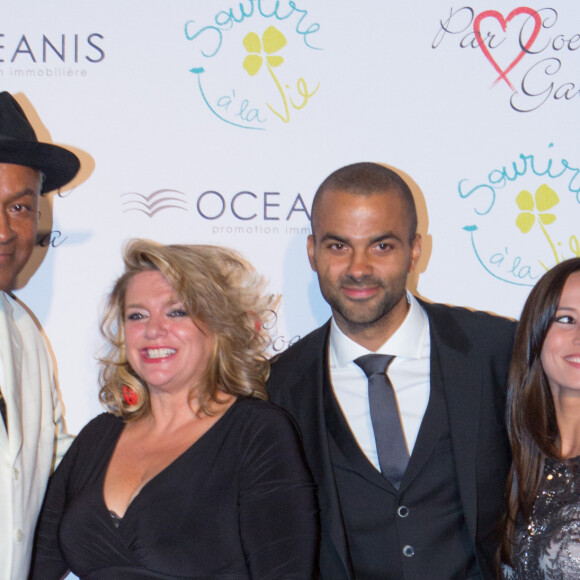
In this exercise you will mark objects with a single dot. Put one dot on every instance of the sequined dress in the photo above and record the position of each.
(548, 547)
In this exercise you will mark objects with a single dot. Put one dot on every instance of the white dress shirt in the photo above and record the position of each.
(409, 374)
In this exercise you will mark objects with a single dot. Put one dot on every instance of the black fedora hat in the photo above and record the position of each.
(19, 145)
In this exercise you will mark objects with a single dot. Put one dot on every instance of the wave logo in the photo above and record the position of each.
(253, 64)
(160, 200)
(527, 216)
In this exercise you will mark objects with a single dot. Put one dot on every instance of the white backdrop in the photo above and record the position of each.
(215, 121)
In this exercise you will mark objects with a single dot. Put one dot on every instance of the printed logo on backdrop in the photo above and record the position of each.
(239, 213)
(49, 55)
(526, 215)
(254, 63)
(159, 200)
(532, 55)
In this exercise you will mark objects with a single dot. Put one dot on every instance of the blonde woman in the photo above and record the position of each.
(191, 473)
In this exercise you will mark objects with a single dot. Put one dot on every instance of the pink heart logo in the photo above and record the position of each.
(503, 23)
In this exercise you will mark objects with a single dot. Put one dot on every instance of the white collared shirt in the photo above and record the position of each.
(409, 373)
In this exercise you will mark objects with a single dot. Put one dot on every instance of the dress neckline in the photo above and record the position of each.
(113, 515)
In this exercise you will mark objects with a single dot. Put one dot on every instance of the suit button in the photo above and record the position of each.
(408, 551)
(19, 535)
(403, 511)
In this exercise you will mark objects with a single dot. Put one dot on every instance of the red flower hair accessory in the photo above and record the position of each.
(130, 396)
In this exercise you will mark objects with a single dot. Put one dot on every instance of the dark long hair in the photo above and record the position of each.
(531, 416)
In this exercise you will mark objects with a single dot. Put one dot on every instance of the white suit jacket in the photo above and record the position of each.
(36, 440)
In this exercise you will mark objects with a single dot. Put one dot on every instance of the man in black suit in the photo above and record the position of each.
(424, 509)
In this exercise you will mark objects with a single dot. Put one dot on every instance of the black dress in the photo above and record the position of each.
(239, 503)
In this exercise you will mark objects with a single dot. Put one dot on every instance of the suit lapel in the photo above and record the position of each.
(461, 378)
(11, 350)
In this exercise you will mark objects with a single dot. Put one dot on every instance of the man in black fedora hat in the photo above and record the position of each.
(32, 437)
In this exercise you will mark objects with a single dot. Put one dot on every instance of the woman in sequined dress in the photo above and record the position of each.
(541, 532)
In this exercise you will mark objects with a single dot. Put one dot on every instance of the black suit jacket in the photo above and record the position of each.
(473, 351)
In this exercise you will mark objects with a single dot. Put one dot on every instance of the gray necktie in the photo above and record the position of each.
(389, 438)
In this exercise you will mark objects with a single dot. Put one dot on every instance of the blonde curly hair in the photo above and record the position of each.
(219, 289)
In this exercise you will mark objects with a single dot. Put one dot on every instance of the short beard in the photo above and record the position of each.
(352, 317)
